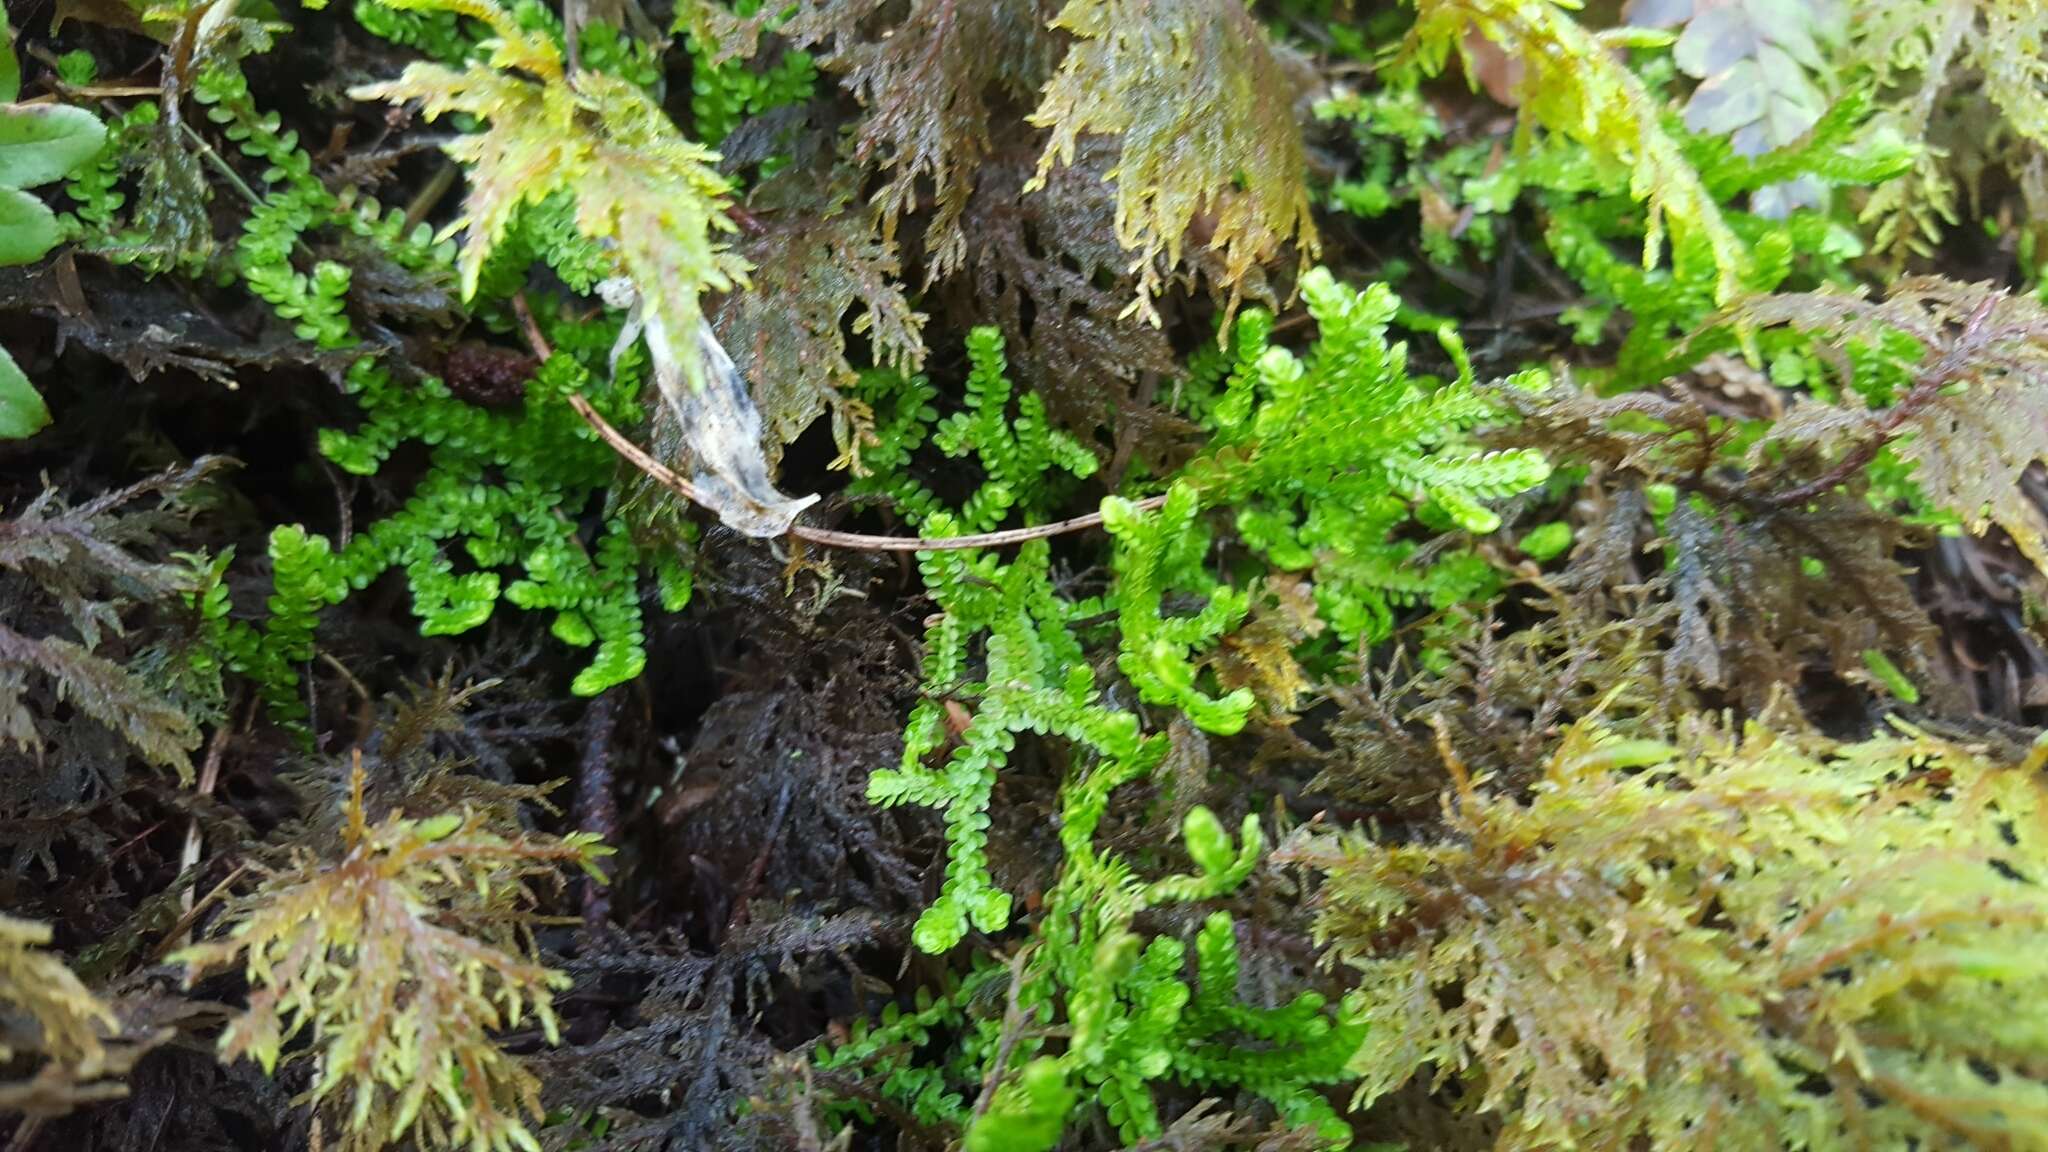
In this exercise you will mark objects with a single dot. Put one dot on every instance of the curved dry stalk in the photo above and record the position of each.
(668, 478)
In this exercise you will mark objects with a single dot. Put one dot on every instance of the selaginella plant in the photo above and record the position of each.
(1099, 1014)
(1004, 645)
(397, 959)
(1786, 208)
(1010, 611)
(1323, 459)
(1734, 939)
(1006, 656)
(494, 517)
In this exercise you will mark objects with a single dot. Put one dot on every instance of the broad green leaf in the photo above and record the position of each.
(27, 228)
(22, 411)
(43, 143)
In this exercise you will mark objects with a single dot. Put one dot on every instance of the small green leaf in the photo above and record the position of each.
(940, 927)
(45, 142)
(1029, 1114)
(1890, 675)
(28, 228)
(1208, 844)
(1662, 499)
(1622, 755)
(439, 827)
(573, 629)
(22, 412)
(1547, 541)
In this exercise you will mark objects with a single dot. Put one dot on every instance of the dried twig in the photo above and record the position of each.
(759, 870)
(1013, 1030)
(597, 810)
(667, 478)
(209, 776)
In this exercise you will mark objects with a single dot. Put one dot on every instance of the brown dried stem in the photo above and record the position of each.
(597, 810)
(1925, 390)
(667, 477)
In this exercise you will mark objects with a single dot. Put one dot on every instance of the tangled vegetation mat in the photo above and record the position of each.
(1014, 575)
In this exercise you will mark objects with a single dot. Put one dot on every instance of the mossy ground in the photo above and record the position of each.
(1527, 526)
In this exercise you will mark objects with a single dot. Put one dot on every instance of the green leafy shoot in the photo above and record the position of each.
(1572, 84)
(650, 197)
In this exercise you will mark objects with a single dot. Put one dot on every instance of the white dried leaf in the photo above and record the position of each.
(721, 426)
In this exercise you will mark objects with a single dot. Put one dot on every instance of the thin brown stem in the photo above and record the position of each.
(180, 934)
(1925, 390)
(536, 343)
(1013, 1030)
(667, 478)
(209, 776)
(759, 870)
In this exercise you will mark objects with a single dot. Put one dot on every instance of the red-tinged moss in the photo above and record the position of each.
(1204, 114)
(931, 84)
(71, 1038)
(1731, 941)
(398, 960)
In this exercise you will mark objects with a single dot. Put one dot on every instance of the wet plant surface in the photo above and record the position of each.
(1022, 574)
